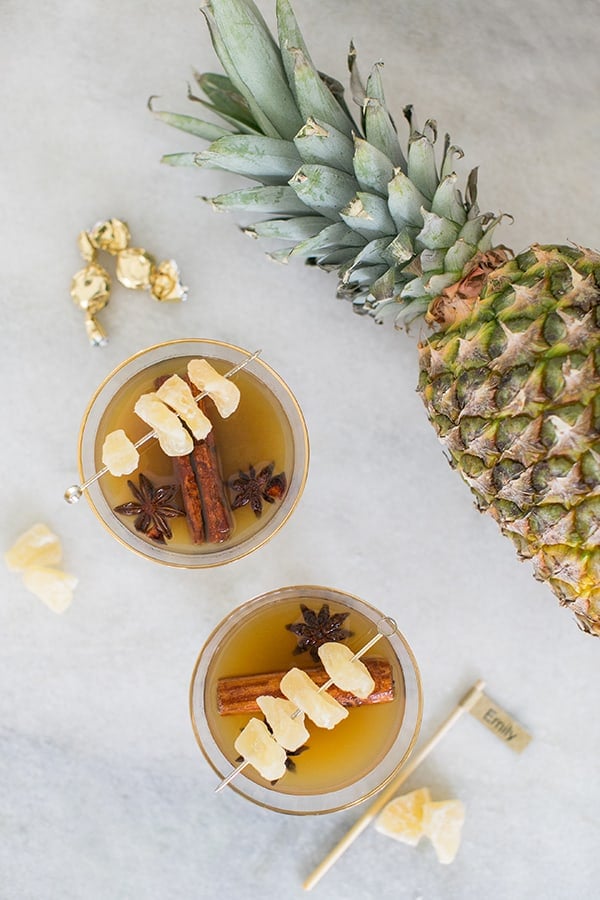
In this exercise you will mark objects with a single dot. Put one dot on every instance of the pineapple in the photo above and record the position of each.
(510, 365)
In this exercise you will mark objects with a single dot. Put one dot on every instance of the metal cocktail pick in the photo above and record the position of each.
(385, 627)
(74, 493)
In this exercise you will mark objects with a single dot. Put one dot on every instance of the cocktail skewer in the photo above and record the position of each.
(74, 493)
(385, 627)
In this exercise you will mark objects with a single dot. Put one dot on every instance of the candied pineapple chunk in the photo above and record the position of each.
(402, 817)
(290, 732)
(261, 750)
(119, 454)
(172, 436)
(223, 392)
(52, 586)
(346, 673)
(177, 394)
(38, 546)
(320, 707)
(442, 823)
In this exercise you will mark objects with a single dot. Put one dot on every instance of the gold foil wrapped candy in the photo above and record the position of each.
(95, 332)
(90, 288)
(165, 283)
(112, 235)
(135, 269)
(85, 246)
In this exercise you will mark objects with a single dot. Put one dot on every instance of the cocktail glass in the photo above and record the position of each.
(268, 427)
(338, 768)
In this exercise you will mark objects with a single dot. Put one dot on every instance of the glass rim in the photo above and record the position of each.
(323, 593)
(220, 556)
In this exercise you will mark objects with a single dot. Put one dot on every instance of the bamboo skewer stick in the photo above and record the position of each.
(367, 817)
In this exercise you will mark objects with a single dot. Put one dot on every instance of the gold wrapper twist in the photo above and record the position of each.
(135, 269)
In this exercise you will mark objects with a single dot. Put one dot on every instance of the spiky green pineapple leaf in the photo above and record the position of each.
(184, 159)
(259, 75)
(258, 157)
(324, 188)
(224, 98)
(313, 95)
(320, 143)
(363, 180)
(275, 199)
(208, 131)
(221, 49)
(294, 229)
(373, 169)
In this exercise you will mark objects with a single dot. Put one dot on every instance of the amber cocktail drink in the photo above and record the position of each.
(247, 655)
(226, 497)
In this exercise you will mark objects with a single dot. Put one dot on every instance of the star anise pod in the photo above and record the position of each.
(317, 629)
(252, 488)
(152, 507)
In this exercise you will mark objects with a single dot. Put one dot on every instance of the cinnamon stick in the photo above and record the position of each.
(190, 493)
(238, 694)
(205, 462)
(202, 488)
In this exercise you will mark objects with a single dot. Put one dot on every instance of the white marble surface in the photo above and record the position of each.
(103, 793)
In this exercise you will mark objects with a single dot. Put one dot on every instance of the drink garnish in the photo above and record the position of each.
(287, 728)
(320, 707)
(238, 694)
(224, 394)
(303, 695)
(199, 476)
(153, 508)
(177, 394)
(75, 491)
(318, 628)
(259, 748)
(119, 454)
(174, 439)
(252, 488)
(346, 672)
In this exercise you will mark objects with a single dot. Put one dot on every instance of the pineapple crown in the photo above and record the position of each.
(342, 195)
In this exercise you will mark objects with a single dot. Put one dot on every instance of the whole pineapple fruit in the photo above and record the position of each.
(509, 372)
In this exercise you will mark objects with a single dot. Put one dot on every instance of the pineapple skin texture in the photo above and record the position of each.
(512, 387)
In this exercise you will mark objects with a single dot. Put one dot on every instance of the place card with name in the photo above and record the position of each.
(500, 722)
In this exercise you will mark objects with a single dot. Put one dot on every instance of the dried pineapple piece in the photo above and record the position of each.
(223, 392)
(290, 732)
(260, 749)
(38, 546)
(319, 706)
(177, 394)
(172, 436)
(119, 454)
(346, 673)
(52, 586)
(442, 823)
(402, 817)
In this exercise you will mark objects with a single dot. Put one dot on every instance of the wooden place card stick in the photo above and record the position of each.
(484, 709)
